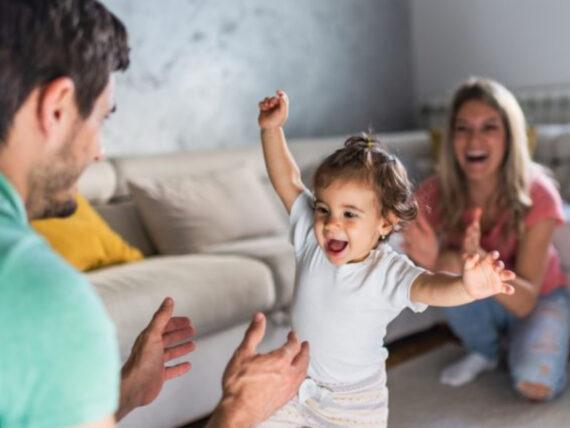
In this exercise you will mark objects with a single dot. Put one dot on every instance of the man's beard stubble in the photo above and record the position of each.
(51, 183)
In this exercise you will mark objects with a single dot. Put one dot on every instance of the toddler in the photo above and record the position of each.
(349, 283)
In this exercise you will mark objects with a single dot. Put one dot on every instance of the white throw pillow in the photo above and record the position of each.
(186, 214)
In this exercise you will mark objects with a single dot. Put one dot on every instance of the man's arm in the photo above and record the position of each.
(281, 166)
(256, 385)
(143, 375)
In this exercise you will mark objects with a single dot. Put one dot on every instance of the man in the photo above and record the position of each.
(59, 362)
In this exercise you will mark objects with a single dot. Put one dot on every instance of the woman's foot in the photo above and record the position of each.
(534, 391)
(466, 369)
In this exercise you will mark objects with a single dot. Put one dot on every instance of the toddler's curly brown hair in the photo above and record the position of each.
(362, 159)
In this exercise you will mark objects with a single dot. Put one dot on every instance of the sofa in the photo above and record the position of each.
(220, 285)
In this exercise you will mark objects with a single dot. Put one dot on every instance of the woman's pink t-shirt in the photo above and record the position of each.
(546, 205)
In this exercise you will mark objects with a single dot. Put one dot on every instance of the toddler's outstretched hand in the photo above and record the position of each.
(273, 111)
(485, 276)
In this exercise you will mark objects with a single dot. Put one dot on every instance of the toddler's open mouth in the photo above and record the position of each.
(335, 246)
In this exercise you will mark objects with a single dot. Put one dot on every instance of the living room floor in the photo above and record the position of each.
(400, 351)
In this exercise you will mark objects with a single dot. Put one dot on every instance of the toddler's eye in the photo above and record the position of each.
(321, 210)
(349, 214)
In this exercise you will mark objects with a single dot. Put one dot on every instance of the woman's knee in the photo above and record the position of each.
(534, 391)
(538, 350)
(539, 381)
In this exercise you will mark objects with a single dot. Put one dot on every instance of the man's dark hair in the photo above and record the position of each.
(41, 40)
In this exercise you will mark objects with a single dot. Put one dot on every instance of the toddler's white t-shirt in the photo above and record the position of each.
(343, 310)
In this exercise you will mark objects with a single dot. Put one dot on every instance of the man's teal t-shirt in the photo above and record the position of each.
(59, 359)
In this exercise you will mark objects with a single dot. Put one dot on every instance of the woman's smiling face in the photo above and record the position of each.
(479, 140)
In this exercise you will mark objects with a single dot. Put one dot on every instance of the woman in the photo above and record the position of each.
(489, 195)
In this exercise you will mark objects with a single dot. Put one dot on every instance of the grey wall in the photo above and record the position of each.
(522, 43)
(199, 68)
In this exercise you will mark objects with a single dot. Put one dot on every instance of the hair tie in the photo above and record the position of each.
(370, 143)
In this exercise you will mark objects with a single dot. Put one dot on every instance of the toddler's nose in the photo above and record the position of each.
(332, 224)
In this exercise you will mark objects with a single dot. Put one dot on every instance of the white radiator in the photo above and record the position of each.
(541, 104)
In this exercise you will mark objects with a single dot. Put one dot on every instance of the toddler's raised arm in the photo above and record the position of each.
(281, 166)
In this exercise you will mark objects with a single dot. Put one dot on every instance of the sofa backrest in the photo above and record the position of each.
(105, 183)
(553, 151)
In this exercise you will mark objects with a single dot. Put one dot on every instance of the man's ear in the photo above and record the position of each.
(57, 108)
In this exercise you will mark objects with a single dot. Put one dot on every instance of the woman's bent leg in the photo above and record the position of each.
(539, 348)
(479, 325)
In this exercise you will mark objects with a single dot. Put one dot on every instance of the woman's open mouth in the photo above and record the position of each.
(475, 157)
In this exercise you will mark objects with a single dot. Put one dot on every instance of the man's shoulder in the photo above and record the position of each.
(26, 258)
(59, 344)
(32, 274)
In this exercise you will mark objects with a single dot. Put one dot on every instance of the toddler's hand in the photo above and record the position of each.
(485, 276)
(273, 111)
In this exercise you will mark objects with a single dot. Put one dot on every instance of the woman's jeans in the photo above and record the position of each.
(537, 344)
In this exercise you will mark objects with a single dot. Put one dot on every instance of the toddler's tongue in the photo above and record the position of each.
(336, 246)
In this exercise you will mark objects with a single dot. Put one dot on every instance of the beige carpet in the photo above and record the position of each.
(418, 400)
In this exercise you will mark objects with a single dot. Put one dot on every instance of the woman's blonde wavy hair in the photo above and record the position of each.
(513, 192)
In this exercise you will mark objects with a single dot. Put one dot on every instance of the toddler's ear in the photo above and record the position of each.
(389, 223)
(393, 219)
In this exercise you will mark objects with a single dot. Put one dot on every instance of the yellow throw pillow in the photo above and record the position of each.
(85, 240)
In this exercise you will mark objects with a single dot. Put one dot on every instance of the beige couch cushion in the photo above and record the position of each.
(124, 218)
(185, 214)
(216, 292)
(277, 252)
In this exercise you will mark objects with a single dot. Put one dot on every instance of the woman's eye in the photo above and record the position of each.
(490, 128)
(460, 128)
